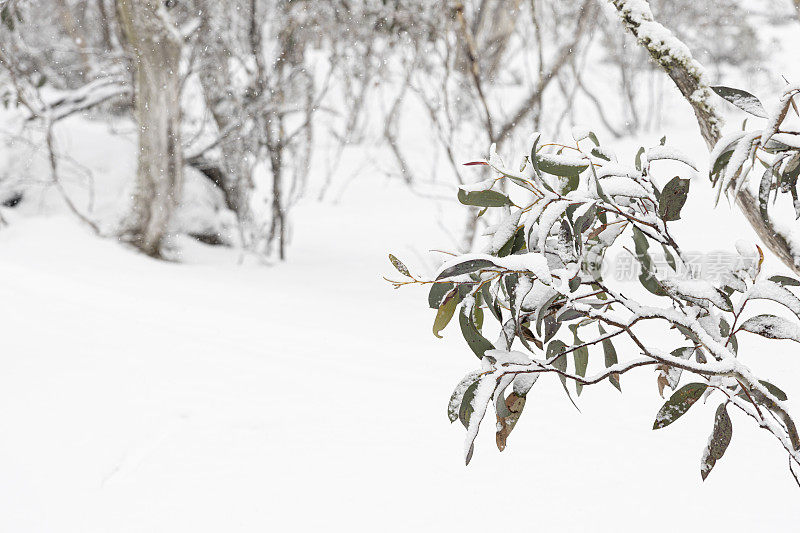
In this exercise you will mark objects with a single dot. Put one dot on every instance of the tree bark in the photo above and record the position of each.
(155, 49)
(687, 74)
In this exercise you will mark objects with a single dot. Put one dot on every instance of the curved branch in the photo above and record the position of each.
(688, 75)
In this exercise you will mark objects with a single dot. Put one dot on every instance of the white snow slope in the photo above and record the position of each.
(138, 395)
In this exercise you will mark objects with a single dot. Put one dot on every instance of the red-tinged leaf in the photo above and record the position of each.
(472, 163)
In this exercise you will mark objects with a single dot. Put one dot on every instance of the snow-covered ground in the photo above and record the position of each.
(138, 395)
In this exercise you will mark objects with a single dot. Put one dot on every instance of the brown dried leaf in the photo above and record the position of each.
(515, 404)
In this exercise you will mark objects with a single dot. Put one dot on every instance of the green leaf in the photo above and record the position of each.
(466, 267)
(581, 358)
(445, 313)
(483, 198)
(677, 405)
(775, 391)
(560, 165)
(586, 220)
(514, 244)
(785, 280)
(597, 152)
(670, 258)
(491, 303)
(465, 410)
(672, 199)
(646, 277)
(555, 347)
(399, 265)
(639, 155)
(438, 292)
(610, 354)
(719, 441)
(477, 342)
(720, 163)
(741, 99)
(456, 399)
(763, 192)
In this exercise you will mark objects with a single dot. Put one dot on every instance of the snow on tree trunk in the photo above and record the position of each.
(155, 48)
(689, 76)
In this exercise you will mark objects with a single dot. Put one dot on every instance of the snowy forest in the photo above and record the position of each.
(300, 266)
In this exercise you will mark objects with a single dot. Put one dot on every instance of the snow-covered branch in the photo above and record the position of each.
(539, 271)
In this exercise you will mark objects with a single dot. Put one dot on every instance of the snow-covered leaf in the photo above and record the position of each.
(769, 290)
(465, 408)
(662, 152)
(785, 280)
(561, 165)
(399, 265)
(772, 327)
(438, 292)
(718, 442)
(475, 410)
(456, 399)
(677, 405)
(465, 267)
(741, 99)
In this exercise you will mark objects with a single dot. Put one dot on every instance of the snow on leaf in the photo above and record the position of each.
(789, 139)
(464, 267)
(785, 280)
(478, 185)
(772, 327)
(737, 161)
(561, 165)
(677, 405)
(438, 292)
(399, 265)
(505, 231)
(484, 389)
(725, 145)
(696, 290)
(456, 399)
(769, 290)
(718, 441)
(552, 213)
(445, 313)
(623, 186)
(534, 263)
(741, 99)
(663, 152)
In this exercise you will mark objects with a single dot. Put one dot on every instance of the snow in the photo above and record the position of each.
(665, 152)
(620, 186)
(770, 290)
(204, 395)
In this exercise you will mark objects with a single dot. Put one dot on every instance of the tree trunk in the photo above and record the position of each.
(687, 74)
(155, 49)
